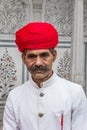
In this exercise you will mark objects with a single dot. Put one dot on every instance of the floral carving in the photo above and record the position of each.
(8, 75)
(12, 15)
(59, 12)
(64, 65)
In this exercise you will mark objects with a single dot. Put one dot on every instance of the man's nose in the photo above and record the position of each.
(38, 61)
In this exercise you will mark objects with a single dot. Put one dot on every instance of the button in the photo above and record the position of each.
(41, 94)
(40, 114)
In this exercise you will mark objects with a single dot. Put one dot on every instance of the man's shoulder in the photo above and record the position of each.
(19, 89)
(68, 82)
(70, 86)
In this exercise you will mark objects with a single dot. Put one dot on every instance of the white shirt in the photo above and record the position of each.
(29, 107)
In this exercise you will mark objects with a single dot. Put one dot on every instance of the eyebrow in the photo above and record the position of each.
(35, 55)
(44, 54)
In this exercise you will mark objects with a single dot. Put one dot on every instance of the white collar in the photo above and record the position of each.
(46, 83)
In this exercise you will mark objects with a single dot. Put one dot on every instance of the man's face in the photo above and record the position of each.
(39, 63)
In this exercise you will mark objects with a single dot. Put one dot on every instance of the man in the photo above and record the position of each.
(46, 101)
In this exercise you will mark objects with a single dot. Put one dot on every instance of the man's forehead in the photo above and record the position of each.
(38, 51)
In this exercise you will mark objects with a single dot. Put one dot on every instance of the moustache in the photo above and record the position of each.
(38, 68)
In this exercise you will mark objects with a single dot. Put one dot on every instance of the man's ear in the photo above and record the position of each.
(54, 55)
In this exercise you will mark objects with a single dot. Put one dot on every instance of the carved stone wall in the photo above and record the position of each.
(16, 13)
(60, 13)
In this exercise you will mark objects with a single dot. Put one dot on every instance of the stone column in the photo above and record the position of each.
(77, 45)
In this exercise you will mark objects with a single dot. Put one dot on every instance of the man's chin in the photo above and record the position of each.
(38, 76)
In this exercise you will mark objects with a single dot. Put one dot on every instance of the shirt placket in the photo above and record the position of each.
(41, 111)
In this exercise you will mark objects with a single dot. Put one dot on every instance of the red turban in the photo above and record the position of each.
(36, 35)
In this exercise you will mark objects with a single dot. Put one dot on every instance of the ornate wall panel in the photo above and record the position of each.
(62, 65)
(59, 13)
(14, 14)
(12, 71)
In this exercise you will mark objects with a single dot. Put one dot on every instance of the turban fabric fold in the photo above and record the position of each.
(36, 35)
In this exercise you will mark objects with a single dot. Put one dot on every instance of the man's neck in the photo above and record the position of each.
(40, 81)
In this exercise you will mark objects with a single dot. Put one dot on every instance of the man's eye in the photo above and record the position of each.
(44, 55)
(31, 56)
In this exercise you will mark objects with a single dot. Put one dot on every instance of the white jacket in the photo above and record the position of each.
(58, 105)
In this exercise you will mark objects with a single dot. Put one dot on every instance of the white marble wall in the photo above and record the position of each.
(67, 16)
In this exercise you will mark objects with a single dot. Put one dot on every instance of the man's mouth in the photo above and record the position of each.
(38, 68)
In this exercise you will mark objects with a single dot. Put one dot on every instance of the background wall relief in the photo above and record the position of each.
(16, 13)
